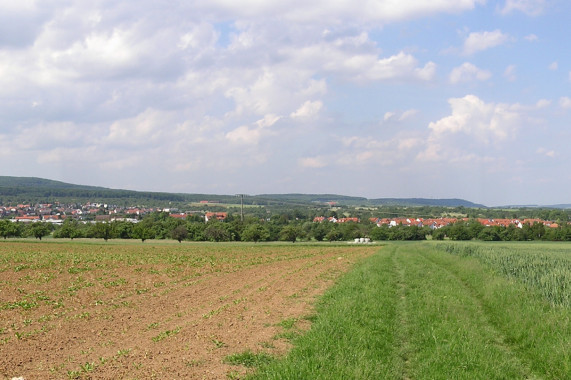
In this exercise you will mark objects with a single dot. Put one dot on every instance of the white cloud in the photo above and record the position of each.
(359, 150)
(565, 102)
(408, 114)
(388, 116)
(530, 7)
(313, 162)
(144, 129)
(402, 117)
(244, 135)
(554, 66)
(336, 11)
(307, 110)
(546, 152)
(509, 73)
(468, 72)
(268, 121)
(531, 38)
(252, 135)
(366, 66)
(480, 41)
(487, 122)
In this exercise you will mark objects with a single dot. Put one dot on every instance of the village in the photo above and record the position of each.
(56, 213)
(435, 223)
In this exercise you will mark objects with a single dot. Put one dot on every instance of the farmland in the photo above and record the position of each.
(80, 310)
(463, 310)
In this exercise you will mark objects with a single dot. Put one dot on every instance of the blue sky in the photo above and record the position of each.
(380, 98)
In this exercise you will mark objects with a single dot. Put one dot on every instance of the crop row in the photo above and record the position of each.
(545, 268)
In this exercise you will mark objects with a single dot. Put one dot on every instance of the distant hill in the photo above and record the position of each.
(6, 181)
(360, 201)
(32, 189)
(426, 202)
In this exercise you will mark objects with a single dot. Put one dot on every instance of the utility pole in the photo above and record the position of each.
(241, 206)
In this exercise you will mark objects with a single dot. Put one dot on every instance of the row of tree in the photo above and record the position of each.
(162, 226)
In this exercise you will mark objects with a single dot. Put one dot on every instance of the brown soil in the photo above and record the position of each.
(152, 319)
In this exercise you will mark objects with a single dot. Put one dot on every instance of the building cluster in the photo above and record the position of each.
(56, 213)
(435, 223)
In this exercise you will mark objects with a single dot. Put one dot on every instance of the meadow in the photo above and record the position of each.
(448, 310)
(406, 310)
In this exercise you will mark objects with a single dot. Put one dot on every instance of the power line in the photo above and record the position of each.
(241, 196)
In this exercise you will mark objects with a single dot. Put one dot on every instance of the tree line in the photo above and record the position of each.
(160, 225)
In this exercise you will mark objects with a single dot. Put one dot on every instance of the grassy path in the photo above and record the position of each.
(413, 312)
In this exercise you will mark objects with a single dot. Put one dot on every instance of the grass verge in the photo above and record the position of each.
(413, 311)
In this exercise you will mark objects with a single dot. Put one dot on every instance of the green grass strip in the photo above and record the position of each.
(414, 312)
(353, 335)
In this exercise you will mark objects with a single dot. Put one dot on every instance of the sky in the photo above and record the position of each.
(462, 99)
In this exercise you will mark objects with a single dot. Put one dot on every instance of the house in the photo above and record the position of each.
(221, 216)
(27, 219)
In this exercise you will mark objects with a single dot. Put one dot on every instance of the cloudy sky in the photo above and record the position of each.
(377, 98)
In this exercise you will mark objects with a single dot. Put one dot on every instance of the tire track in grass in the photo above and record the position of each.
(402, 319)
(499, 339)
(449, 335)
(540, 330)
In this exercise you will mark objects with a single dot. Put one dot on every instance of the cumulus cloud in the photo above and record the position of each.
(565, 102)
(510, 73)
(400, 117)
(253, 134)
(530, 7)
(313, 162)
(22, 21)
(480, 41)
(364, 65)
(144, 129)
(337, 11)
(389, 115)
(487, 122)
(546, 152)
(531, 38)
(468, 72)
(244, 135)
(364, 150)
(308, 110)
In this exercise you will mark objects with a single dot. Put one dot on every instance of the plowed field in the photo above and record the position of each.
(154, 310)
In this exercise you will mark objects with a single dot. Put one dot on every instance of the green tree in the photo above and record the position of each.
(459, 231)
(290, 233)
(216, 231)
(380, 233)
(6, 228)
(179, 233)
(69, 230)
(39, 230)
(489, 234)
(102, 230)
(537, 231)
(439, 234)
(255, 232)
(196, 231)
(320, 230)
(143, 231)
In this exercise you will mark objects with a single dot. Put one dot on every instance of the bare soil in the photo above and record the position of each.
(148, 311)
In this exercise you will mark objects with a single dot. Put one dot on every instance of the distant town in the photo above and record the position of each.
(100, 212)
